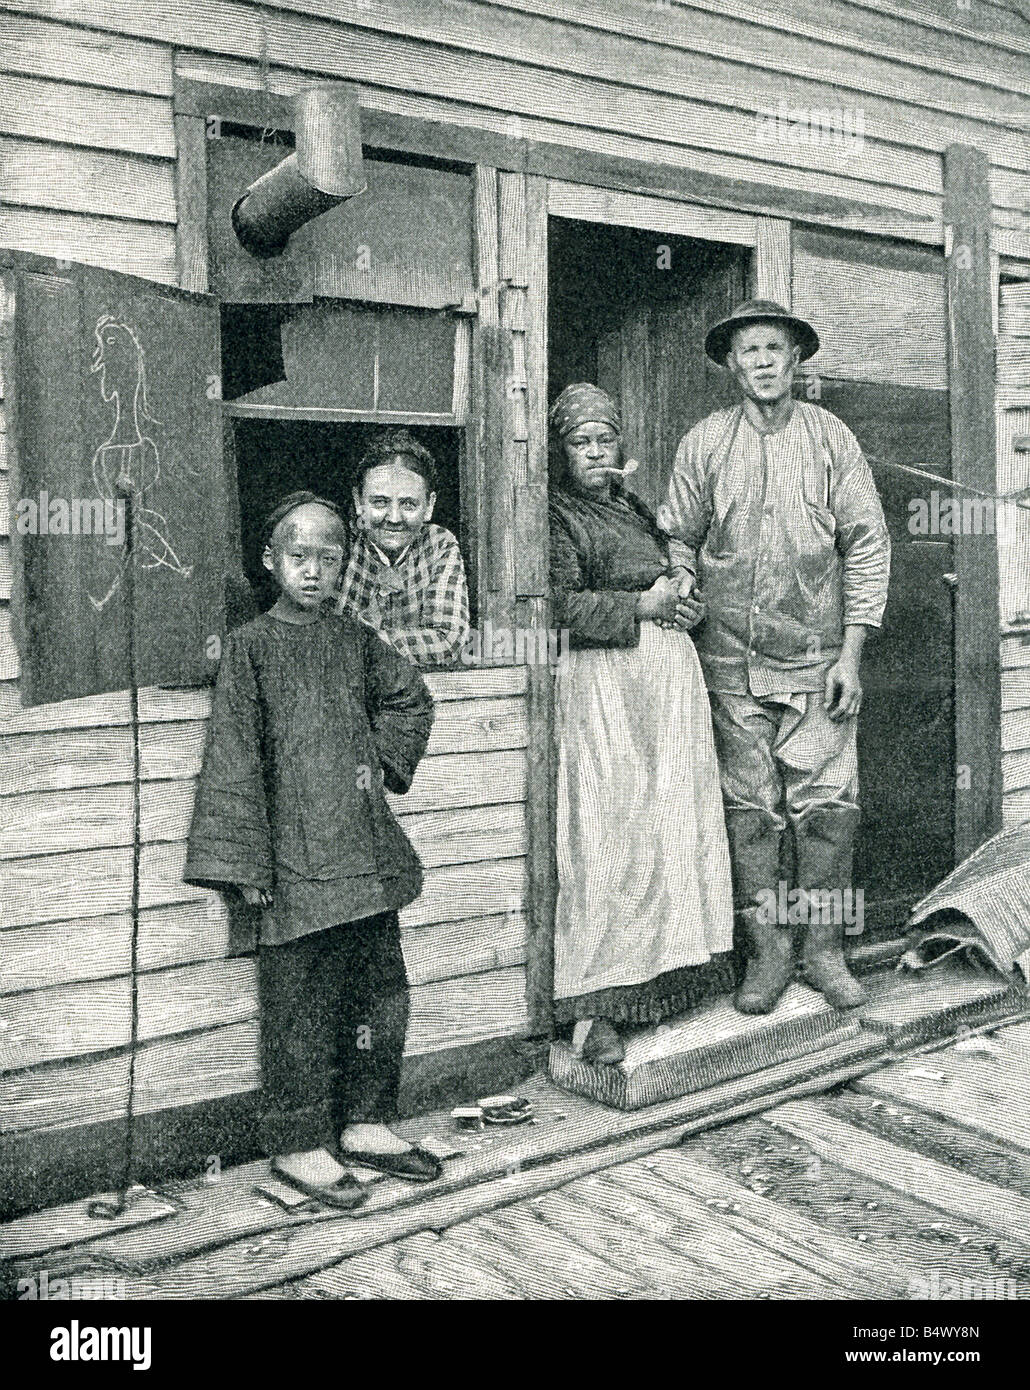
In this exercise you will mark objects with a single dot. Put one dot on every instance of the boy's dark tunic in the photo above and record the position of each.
(290, 796)
(308, 723)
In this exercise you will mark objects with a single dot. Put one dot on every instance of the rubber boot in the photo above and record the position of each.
(770, 967)
(824, 840)
(755, 840)
(824, 968)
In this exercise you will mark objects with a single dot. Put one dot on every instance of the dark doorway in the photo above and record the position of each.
(628, 310)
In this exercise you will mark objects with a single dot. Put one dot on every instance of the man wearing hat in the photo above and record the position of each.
(773, 515)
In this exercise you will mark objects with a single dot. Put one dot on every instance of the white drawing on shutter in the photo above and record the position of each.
(128, 464)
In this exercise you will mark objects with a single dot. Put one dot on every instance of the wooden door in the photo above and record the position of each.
(123, 576)
(880, 312)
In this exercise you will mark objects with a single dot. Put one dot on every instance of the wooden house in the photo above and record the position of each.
(558, 190)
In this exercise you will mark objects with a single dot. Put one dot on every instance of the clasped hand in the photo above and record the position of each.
(673, 604)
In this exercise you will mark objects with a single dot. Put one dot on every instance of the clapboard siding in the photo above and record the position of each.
(169, 1071)
(156, 704)
(136, 248)
(32, 47)
(41, 956)
(36, 174)
(753, 84)
(1015, 690)
(182, 1070)
(169, 749)
(54, 887)
(1015, 730)
(81, 1019)
(62, 760)
(1015, 808)
(838, 37)
(480, 726)
(1013, 523)
(9, 663)
(98, 117)
(1013, 526)
(371, 35)
(41, 823)
(6, 572)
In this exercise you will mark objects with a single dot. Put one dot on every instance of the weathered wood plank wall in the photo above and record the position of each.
(1013, 426)
(67, 866)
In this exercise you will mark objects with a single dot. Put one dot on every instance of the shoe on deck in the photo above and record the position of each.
(414, 1164)
(346, 1193)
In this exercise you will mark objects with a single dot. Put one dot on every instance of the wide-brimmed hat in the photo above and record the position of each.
(719, 336)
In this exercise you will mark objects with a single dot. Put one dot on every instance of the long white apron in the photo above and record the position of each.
(643, 863)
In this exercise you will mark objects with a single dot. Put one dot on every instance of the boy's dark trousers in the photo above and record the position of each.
(334, 1008)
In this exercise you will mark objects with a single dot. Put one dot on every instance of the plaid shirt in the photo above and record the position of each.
(419, 604)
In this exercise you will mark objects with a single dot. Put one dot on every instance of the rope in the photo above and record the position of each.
(1019, 498)
(100, 1209)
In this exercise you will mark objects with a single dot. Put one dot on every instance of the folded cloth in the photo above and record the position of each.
(991, 891)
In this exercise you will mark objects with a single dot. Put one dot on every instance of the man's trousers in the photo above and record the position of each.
(334, 1009)
(782, 761)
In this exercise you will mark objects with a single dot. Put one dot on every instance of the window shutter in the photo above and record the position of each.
(116, 378)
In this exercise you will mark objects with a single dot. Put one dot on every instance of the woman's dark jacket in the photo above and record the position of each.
(604, 552)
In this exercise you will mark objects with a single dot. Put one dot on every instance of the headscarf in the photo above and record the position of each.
(579, 403)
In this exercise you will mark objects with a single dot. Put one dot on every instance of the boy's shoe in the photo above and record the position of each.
(346, 1193)
(414, 1164)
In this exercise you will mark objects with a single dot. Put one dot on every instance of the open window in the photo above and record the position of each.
(364, 321)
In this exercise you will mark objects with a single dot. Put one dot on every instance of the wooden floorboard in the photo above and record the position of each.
(766, 1225)
(636, 1257)
(561, 1267)
(935, 1184)
(687, 1226)
(392, 1273)
(985, 1093)
(920, 1240)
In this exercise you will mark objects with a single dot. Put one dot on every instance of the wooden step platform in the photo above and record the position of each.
(707, 1046)
(915, 1006)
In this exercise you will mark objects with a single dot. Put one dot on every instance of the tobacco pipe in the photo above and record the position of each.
(630, 466)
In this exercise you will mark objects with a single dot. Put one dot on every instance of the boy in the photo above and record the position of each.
(312, 714)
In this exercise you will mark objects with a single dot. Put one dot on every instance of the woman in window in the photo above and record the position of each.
(644, 919)
(405, 575)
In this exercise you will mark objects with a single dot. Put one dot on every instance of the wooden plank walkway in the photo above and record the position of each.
(855, 1174)
(803, 1201)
